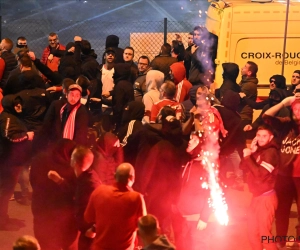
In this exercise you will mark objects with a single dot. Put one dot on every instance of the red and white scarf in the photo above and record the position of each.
(69, 128)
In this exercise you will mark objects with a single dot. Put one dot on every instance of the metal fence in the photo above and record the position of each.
(145, 37)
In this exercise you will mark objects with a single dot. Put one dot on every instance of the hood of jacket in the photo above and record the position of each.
(154, 79)
(230, 71)
(8, 103)
(161, 243)
(69, 46)
(122, 72)
(178, 71)
(112, 41)
(231, 100)
(276, 96)
(280, 81)
(135, 110)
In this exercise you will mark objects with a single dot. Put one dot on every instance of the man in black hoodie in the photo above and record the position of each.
(15, 151)
(123, 91)
(113, 42)
(231, 146)
(86, 57)
(230, 73)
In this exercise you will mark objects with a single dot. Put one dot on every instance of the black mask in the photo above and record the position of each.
(21, 46)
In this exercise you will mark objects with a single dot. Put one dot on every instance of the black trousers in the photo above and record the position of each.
(8, 179)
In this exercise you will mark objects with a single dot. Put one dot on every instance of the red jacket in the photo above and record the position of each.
(182, 84)
(53, 65)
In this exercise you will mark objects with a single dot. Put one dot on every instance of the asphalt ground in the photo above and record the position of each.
(230, 237)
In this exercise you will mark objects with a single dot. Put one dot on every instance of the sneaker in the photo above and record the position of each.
(12, 198)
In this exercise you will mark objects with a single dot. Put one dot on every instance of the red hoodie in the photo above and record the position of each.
(182, 84)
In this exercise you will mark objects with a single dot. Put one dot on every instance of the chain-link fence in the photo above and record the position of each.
(145, 37)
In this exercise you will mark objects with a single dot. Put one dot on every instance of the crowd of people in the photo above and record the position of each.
(115, 148)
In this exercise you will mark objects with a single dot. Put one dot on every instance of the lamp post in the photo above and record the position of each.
(285, 34)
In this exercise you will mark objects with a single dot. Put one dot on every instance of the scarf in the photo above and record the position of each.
(69, 127)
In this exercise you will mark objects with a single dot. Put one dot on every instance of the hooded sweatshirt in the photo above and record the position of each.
(154, 80)
(15, 149)
(123, 91)
(182, 84)
(232, 123)
(275, 97)
(161, 243)
(133, 112)
(230, 74)
(132, 125)
(113, 42)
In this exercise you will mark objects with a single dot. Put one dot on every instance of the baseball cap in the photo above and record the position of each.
(75, 86)
(110, 49)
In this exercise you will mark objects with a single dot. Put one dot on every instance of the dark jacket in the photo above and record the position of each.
(275, 97)
(274, 94)
(68, 67)
(28, 79)
(10, 64)
(54, 78)
(203, 73)
(163, 63)
(163, 166)
(140, 86)
(187, 61)
(123, 91)
(230, 74)
(131, 125)
(15, 149)
(249, 87)
(262, 168)
(161, 243)
(113, 42)
(86, 183)
(52, 129)
(87, 62)
(146, 138)
(35, 104)
(232, 123)
(48, 196)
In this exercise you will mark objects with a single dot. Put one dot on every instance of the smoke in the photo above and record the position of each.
(206, 55)
(209, 123)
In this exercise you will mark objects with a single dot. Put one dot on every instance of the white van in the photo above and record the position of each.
(252, 31)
